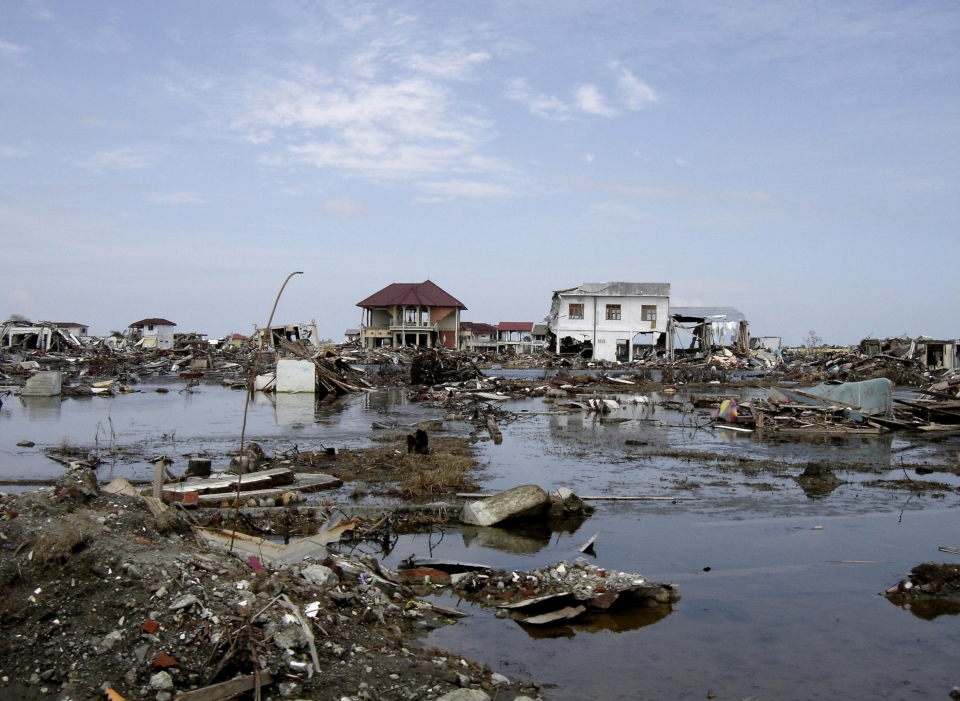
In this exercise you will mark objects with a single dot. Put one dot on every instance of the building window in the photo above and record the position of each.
(613, 312)
(410, 316)
(424, 316)
(149, 327)
(575, 311)
(648, 312)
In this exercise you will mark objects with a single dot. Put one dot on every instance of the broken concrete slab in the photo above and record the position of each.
(520, 502)
(274, 554)
(121, 485)
(564, 614)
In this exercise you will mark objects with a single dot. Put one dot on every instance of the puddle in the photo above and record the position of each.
(780, 614)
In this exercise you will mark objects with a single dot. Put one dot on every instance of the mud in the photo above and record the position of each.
(792, 580)
(98, 592)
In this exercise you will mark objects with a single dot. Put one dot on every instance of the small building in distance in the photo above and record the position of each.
(610, 320)
(515, 337)
(351, 335)
(478, 337)
(410, 314)
(153, 333)
(541, 334)
(234, 340)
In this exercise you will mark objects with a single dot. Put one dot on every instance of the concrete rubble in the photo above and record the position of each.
(101, 593)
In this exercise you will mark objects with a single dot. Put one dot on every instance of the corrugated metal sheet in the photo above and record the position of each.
(713, 313)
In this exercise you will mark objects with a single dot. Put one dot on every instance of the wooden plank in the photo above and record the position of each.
(225, 690)
(446, 610)
(304, 483)
(248, 482)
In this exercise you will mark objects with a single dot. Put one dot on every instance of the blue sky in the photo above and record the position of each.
(796, 160)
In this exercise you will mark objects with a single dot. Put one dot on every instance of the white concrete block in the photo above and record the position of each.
(296, 376)
(42, 384)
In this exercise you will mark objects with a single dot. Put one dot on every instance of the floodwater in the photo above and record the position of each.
(789, 608)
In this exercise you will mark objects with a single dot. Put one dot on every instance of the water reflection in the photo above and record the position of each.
(930, 609)
(296, 409)
(41, 408)
(616, 621)
(525, 539)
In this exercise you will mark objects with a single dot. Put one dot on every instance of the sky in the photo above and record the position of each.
(798, 161)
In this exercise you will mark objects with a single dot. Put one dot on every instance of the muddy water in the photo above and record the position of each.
(779, 614)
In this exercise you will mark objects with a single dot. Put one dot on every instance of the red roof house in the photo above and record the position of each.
(410, 314)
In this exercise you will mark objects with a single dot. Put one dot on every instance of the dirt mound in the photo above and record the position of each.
(98, 591)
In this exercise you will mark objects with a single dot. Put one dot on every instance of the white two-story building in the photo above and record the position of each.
(610, 320)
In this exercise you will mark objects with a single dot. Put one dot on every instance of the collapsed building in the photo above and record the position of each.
(274, 336)
(43, 336)
(931, 353)
(700, 330)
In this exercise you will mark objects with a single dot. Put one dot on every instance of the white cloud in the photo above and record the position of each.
(101, 122)
(171, 197)
(634, 92)
(465, 188)
(121, 159)
(39, 10)
(590, 100)
(449, 64)
(588, 158)
(538, 103)
(11, 51)
(12, 151)
(108, 39)
(20, 296)
(639, 189)
(618, 209)
(343, 208)
(381, 129)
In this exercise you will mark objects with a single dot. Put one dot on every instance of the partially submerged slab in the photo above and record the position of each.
(564, 614)
(520, 502)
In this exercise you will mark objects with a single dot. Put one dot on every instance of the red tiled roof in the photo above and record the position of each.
(478, 327)
(151, 322)
(422, 294)
(515, 326)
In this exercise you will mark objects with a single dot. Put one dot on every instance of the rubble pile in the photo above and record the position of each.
(100, 593)
(928, 583)
(851, 365)
(435, 366)
(561, 592)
